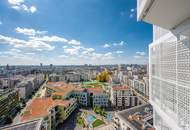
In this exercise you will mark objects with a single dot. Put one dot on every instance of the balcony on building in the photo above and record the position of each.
(160, 13)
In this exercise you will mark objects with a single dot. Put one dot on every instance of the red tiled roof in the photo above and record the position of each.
(151, 129)
(40, 107)
(60, 83)
(120, 88)
(95, 90)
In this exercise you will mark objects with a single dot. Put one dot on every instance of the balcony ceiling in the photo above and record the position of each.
(168, 13)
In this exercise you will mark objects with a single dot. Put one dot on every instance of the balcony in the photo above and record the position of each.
(167, 14)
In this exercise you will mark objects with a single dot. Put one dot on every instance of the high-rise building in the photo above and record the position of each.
(169, 61)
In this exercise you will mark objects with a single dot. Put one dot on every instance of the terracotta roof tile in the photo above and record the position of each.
(120, 88)
(40, 107)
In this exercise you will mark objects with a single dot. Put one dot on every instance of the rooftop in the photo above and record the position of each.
(60, 83)
(29, 125)
(67, 88)
(92, 84)
(116, 88)
(138, 117)
(96, 90)
(40, 107)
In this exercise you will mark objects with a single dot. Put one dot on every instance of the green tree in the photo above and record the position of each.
(103, 76)
(61, 113)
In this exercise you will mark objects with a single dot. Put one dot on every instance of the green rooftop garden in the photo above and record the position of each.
(92, 84)
(97, 123)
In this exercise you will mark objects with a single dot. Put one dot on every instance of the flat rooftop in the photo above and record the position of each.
(29, 125)
(138, 117)
(62, 88)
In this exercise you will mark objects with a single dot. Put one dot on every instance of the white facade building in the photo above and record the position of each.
(122, 96)
(29, 84)
(169, 61)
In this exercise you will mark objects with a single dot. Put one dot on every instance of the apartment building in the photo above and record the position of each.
(70, 77)
(50, 111)
(123, 96)
(99, 97)
(169, 61)
(81, 95)
(29, 84)
(140, 86)
(85, 96)
(9, 105)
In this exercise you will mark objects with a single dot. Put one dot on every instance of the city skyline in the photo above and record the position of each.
(80, 32)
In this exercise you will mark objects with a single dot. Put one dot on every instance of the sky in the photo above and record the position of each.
(64, 32)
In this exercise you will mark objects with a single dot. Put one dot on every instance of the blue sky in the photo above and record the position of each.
(72, 32)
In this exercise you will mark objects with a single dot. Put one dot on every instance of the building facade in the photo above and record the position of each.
(29, 84)
(9, 105)
(169, 61)
(50, 111)
(123, 96)
(85, 96)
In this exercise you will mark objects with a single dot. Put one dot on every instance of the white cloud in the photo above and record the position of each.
(102, 56)
(132, 12)
(72, 51)
(87, 53)
(63, 56)
(16, 2)
(141, 56)
(74, 42)
(15, 50)
(88, 50)
(15, 53)
(30, 53)
(137, 57)
(29, 31)
(20, 5)
(141, 53)
(50, 39)
(108, 54)
(119, 52)
(106, 46)
(1, 22)
(119, 44)
(142, 59)
(38, 40)
(32, 44)
(78, 50)
(39, 45)
(131, 15)
(64, 47)
(33, 9)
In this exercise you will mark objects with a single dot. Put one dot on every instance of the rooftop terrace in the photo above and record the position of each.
(138, 117)
(29, 125)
